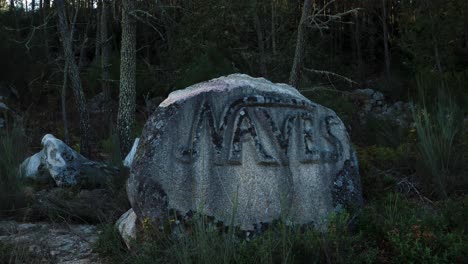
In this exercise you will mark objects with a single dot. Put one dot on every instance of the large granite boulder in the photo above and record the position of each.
(66, 166)
(245, 149)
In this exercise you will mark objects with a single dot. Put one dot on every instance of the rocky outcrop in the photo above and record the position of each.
(244, 151)
(65, 166)
(52, 243)
(373, 104)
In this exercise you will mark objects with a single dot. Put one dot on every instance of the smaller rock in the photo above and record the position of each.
(378, 96)
(131, 155)
(66, 166)
(4, 107)
(127, 226)
(32, 168)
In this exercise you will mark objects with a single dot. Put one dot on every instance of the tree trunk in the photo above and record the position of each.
(385, 38)
(33, 5)
(64, 104)
(357, 43)
(74, 76)
(273, 26)
(45, 33)
(261, 42)
(97, 51)
(296, 70)
(126, 113)
(105, 51)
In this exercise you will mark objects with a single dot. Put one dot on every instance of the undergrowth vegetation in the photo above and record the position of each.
(12, 152)
(391, 229)
(415, 211)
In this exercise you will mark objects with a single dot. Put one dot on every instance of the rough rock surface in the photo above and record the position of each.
(65, 166)
(52, 243)
(127, 226)
(244, 146)
(373, 104)
(131, 155)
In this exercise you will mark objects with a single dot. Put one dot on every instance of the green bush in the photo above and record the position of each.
(439, 131)
(412, 233)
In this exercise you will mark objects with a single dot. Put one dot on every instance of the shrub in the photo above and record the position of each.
(438, 130)
(16, 254)
(12, 150)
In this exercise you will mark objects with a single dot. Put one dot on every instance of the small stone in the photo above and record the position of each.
(65, 166)
(126, 225)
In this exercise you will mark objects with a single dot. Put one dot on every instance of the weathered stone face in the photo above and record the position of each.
(246, 146)
(65, 166)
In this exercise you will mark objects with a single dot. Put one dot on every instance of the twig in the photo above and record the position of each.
(328, 73)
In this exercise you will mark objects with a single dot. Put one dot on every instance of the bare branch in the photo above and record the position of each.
(135, 13)
(328, 73)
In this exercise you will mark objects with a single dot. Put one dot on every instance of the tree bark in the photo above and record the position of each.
(273, 27)
(64, 104)
(357, 43)
(97, 51)
(74, 76)
(45, 32)
(105, 51)
(126, 113)
(296, 70)
(385, 38)
(261, 42)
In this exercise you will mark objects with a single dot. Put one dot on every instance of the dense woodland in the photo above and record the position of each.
(56, 57)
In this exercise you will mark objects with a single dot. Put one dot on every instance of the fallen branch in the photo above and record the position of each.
(328, 73)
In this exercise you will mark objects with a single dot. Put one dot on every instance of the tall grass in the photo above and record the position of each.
(12, 151)
(439, 122)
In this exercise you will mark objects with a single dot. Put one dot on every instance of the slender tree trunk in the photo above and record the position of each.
(12, 5)
(105, 49)
(437, 57)
(64, 104)
(97, 51)
(385, 38)
(74, 76)
(45, 32)
(296, 70)
(126, 113)
(357, 41)
(33, 5)
(466, 27)
(261, 42)
(273, 26)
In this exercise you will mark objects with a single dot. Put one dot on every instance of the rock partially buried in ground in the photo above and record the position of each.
(245, 149)
(127, 226)
(66, 166)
